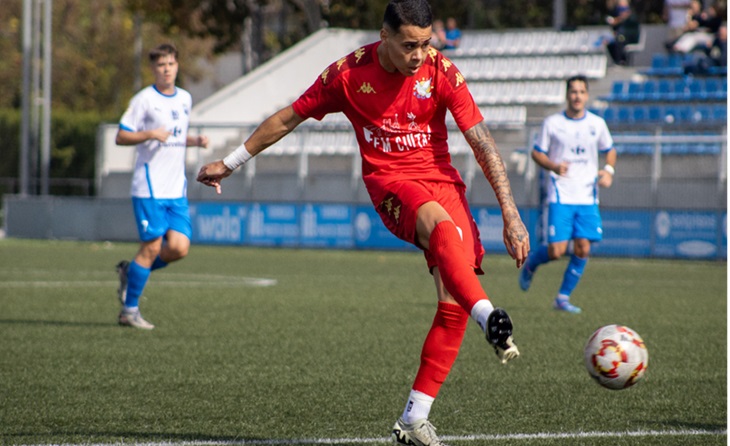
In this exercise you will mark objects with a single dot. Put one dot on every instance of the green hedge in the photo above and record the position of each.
(73, 143)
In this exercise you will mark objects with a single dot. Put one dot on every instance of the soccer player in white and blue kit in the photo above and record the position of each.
(569, 149)
(156, 121)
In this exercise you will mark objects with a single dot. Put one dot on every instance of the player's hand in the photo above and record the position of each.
(212, 173)
(161, 134)
(516, 239)
(203, 141)
(605, 179)
(562, 168)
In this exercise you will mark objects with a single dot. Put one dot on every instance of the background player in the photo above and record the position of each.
(157, 123)
(396, 92)
(568, 148)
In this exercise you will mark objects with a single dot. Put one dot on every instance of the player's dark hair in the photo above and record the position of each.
(407, 12)
(579, 78)
(165, 49)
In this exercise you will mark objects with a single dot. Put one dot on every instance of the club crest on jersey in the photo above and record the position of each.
(422, 89)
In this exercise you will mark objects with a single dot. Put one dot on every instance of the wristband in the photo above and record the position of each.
(237, 158)
(609, 168)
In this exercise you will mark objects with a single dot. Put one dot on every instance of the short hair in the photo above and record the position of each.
(578, 77)
(165, 49)
(407, 12)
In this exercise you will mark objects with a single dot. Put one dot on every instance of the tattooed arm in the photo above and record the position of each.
(516, 238)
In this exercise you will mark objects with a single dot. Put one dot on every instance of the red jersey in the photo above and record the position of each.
(399, 120)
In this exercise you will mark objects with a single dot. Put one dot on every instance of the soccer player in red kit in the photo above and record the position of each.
(396, 93)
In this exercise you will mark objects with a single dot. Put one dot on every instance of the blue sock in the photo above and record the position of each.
(537, 258)
(136, 280)
(572, 274)
(158, 263)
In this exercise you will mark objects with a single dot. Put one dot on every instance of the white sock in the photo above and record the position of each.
(418, 406)
(480, 312)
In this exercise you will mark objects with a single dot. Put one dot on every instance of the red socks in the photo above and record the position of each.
(441, 348)
(457, 274)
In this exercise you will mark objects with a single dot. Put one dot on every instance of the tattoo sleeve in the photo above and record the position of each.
(488, 157)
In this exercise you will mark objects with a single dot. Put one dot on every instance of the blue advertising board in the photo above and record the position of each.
(490, 224)
(219, 223)
(625, 233)
(686, 234)
(371, 233)
(327, 226)
(273, 224)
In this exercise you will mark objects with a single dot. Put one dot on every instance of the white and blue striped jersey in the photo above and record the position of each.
(159, 170)
(579, 142)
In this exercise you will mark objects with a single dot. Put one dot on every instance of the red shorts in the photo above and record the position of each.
(399, 205)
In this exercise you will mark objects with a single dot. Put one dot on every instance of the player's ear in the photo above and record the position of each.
(383, 34)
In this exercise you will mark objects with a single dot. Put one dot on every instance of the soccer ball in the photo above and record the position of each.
(616, 357)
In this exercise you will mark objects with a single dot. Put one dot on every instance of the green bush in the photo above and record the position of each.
(73, 143)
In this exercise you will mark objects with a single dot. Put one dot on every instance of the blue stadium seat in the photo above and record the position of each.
(679, 90)
(663, 90)
(719, 113)
(695, 88)
(713, 89)
(623, 115)
(703, 113)
(609, 115)
(671, 114)
(655, 113)
(617, 91)
(686, 114)
(639, 115)
(649, 90)
(634, 92)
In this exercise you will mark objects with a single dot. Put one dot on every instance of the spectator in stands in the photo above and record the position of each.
(712, 56)
(700, 30)
(568, 148)
(156, 121)
(675, 14)
(438, 34)
(626, 29)
(453, 34)
(396, 92)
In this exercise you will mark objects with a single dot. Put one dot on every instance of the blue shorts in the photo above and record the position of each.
(572, 221)
(155, 217)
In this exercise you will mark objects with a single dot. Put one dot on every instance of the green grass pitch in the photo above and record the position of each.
(287, 347)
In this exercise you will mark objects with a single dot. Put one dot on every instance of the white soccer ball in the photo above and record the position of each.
(616, 357)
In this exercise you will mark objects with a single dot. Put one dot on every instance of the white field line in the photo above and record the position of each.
(36, 279)
(465, 438)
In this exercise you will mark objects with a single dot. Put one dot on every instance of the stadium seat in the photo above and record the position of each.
(655, 114)
(719, 113)
(634, 92)
(663, 90)
(649, 90)
(695, 88)
(679, 90)
(639, 115)
(617, 91)
(623, 115)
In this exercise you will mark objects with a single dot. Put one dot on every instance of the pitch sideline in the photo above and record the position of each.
(463, 438)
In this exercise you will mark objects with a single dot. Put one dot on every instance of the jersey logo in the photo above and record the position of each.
(358, 54)
(324, 75)
(432, 53)
(446, 64)
(366, 88)
(422, 89)
(459, 79)
(175, 115)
